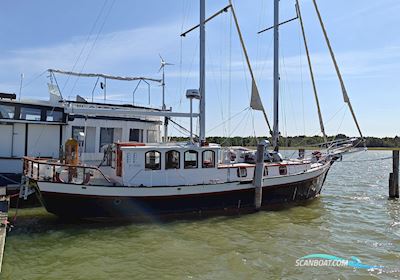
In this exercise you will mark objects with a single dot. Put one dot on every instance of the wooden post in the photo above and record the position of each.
(394, 177)
(258, 176)
(396, 172)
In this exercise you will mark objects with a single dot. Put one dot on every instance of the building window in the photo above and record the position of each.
(282, 170)
(106, 137)
(172, 160)
(54, 116)
(30, 114)
(152, 136)
(190, 159)
(136, 135)
(77, 132)
(153, 160)
(7, 112)
(242, 172)
(208, 159)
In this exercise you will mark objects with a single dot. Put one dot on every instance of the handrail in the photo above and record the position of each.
(29, 161)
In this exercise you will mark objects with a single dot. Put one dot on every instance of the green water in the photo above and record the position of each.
(353, 217)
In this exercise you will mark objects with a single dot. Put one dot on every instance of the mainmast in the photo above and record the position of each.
(202, 109)
(276, 76)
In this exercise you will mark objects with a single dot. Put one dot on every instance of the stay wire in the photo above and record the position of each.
(94, 43)
(86, 41)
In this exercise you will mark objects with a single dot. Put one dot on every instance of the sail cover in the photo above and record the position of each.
(111, 77)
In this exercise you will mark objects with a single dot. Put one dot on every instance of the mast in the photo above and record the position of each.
(321, 122)
(164, 107)
(202, 119)
(276, 76)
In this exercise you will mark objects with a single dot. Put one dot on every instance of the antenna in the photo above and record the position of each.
(20, 86)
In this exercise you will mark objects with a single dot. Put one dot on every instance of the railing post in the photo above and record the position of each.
(69, 174)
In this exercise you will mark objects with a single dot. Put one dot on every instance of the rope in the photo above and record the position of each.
(16, 211)
(182, 128)
(34, 79)
(362, 160)
(10, 180)
(14, 195)
(94, 42)
(86, 42)
(229, 119)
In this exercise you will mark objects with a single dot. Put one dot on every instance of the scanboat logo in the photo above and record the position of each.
(332, 261)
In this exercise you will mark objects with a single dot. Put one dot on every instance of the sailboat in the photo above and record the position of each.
(184, 179)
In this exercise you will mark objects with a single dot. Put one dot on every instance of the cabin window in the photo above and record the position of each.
(54, 116)
(265, 171)
(282, 170)
(106, 137)
(172, 160)
(30, 114)
(190, 159)
(136, 135)
(242, 172)
(7, 112)
(153, 160)
(208, 159)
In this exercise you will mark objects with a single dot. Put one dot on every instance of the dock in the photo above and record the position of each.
(4, 206)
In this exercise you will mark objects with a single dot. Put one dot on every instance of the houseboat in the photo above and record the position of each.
(39, 128)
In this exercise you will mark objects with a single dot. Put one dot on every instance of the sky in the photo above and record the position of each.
(125, 37)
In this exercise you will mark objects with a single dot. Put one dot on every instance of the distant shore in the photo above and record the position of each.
(306, 142)
(369, 148)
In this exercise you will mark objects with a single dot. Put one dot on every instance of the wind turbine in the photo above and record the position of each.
(162, 67)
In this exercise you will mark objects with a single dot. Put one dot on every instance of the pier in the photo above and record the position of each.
(4, 206)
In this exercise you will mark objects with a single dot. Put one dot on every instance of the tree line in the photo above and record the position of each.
(297, 141)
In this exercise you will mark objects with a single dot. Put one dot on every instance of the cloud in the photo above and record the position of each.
(111, 50)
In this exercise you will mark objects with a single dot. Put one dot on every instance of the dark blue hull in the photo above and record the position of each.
(241, 201)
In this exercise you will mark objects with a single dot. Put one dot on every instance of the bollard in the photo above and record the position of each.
(258, 176)
(394, 177)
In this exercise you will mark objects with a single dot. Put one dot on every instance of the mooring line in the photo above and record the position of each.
(374, 159)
